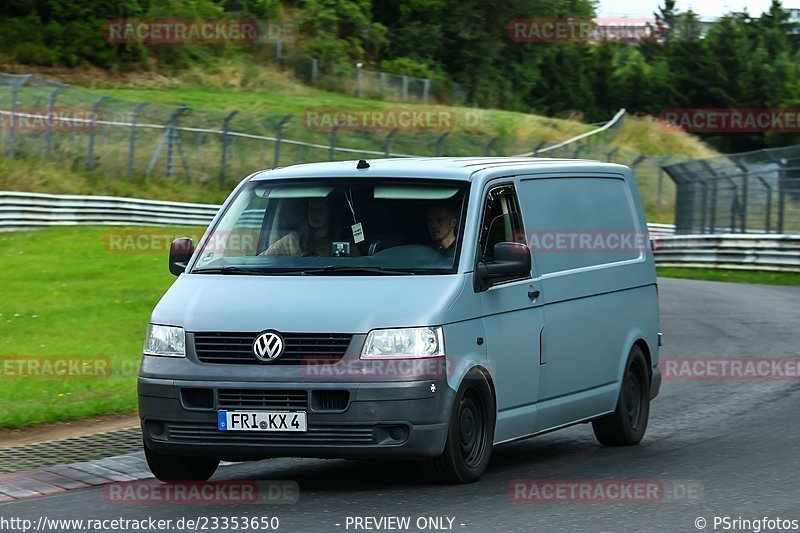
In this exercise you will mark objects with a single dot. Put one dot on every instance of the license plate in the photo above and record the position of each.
(262, 421)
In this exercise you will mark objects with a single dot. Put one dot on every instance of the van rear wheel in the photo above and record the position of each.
(179, 468)
(627, 424)
(470, 433)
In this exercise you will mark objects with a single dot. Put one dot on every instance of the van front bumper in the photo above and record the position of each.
(377, 419)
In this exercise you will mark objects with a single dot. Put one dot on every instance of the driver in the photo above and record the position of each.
(442, 221)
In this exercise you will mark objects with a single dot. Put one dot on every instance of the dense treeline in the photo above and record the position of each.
(743, 61)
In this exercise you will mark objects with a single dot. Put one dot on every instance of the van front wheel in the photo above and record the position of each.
(470, 432)
(179, 468)
(627, 424)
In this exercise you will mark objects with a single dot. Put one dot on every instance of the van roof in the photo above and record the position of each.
(457, 168)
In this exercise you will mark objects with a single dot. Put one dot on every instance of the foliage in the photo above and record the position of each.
(741, 61)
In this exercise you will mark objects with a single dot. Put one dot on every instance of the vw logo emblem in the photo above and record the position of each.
(268, 347)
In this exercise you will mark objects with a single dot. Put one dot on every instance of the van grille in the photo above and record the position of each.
(299, 348)
(262, 399)
(330, 400)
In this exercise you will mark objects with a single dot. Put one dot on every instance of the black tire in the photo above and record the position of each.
(470, 433)
(627, 424)
(180, 468)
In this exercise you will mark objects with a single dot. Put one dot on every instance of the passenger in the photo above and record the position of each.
(316, 238)
(442, 222)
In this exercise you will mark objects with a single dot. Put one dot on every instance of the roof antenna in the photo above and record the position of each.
(362, 163)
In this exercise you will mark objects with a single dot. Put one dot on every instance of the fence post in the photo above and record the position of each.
(90, 151)
(661, 179)
(168, 139)
(381, 82)
(426, 89)
(314, 69)
(439, 143)
(577, 151)
(332, 150)
(538, 147)
(358, 80)
(713, 212)
(734, 204)
(278, 50)
(713, 209)
(224, 159)
(278, 137)
(638, 160)
(490, 145)
(611, 154)
(455, 90)
(174, 139)
(51, 111)
(387, 141)
(132, 150)
(767, 222)
(705, 204)
(404, 96)
(12, 123)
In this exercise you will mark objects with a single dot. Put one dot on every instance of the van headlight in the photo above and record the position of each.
(166, 341)
(404, 343)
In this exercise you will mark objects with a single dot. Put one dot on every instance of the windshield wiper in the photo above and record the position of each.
(232, 270)
(345, 269)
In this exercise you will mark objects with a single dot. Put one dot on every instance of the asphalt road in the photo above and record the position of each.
(738, 441)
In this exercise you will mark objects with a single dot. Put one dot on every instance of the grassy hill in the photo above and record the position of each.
(257, 90)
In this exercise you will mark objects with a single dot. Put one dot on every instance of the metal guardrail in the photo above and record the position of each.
(24, 211)
(775, 253)
(615, 121)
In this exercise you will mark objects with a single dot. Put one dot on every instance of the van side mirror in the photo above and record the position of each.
(511, 260)
(180, 251)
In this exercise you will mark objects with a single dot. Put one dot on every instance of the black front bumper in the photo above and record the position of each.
(378, 419)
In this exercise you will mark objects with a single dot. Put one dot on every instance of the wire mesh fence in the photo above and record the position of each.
(358, 81)
(738, 193)
(85, 130)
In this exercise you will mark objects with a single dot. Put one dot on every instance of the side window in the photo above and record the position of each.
(502, 221)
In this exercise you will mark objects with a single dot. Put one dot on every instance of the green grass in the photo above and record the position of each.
(736, 276)
(32, 175)
(66, 295)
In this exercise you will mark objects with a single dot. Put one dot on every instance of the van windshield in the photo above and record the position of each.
(334, 226)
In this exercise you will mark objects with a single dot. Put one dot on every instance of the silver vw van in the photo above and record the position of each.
(409, 308)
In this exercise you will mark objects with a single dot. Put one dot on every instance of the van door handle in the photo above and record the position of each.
(534, 293)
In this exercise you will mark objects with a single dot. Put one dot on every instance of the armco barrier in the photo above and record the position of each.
(24, 211)
(776, 253)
